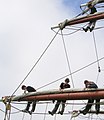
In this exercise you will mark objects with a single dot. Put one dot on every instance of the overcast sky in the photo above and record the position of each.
(25, 32)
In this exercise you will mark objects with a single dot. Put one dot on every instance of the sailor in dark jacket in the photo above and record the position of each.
(62, 86)
(29, 89)
(91, 24)
(90, 84)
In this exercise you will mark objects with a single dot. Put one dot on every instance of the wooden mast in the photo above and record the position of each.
(92, 17)
(83, 19)
(70, 94)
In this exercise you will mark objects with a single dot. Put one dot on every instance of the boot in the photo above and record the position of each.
(50, 112)
(91, 29)
(85, 29)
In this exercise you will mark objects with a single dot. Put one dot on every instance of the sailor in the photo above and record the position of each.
(90, 84)
(63, 85)
(93, 3)
(91, 24)
(29, 89)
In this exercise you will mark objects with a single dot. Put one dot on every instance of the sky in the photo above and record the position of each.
(25, 32)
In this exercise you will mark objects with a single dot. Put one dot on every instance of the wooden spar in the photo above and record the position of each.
(90, 17)
(62, 95)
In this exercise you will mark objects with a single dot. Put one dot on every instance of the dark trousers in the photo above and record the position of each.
(33, 106)
(89, 105)
(97, 106)
(57, 106)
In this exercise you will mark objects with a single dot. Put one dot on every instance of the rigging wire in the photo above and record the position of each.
(31, 71)
(77, 104)
(73, 27)
(9, 114)
(52, 103)
(69, 67)
(1, 110)
(36, 63)
(31, 117)
(96, 52)
(76, 30)
(97, 77)
(68, 33)
(71, 73)
(39, 102)
(98, 28)
(7, 110)
(16, 108)
(45, 112)
(23, 116)
(47, 107)
(99, 6)
(6, 114)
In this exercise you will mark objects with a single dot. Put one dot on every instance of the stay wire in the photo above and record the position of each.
(69, 67)
(96, 52)
(71, 73)
(36, 63)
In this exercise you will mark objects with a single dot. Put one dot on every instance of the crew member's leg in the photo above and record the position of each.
(97, 106)
(27, 107)
(63, 107)
(88, 106)
(88, 27)
(92, 26)
(55, 108)
(33, 106)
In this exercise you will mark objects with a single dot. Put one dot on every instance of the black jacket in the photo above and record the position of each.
(30, 89)
(63, 86)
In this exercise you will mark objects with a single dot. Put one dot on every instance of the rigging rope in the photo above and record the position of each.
(31, 71)
(7, 109)
(97, 77)
(31, 117)
(96, 52)
(69, 67)
(23, 116)
(76, 30)
(36, 63)
(1, 110)
(77, 104)
(45, 111)
(71, 73)
(9, 114)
